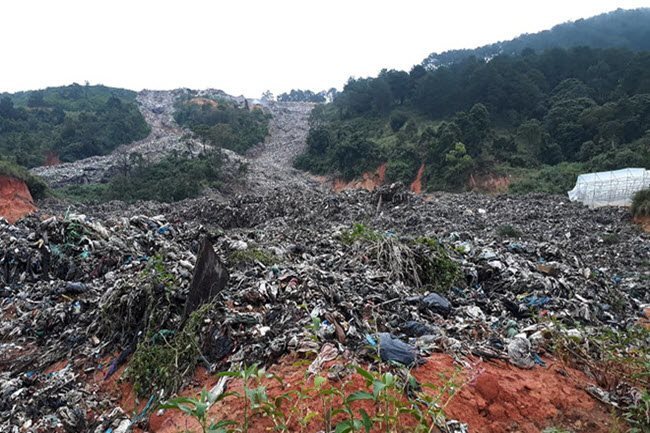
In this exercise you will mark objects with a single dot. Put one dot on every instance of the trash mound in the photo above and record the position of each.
(494, 397)
(15, 199)
(149, 292)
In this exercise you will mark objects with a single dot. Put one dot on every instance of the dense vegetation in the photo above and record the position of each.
(174, 178)
(296, 95)
(619, 29)
(70, 122)
(223, 123)
(542, 117)
(641, 203)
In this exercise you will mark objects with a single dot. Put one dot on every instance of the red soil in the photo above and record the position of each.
(644, 222)
(496, 397)
(15, 199)
(369, 181)
(489, 183)
(416, 186)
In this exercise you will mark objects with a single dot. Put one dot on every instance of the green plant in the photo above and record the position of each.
(508, 231)
(198, 408)
(255, 398)
(252, 255)
(437, 269)
(360, 232)
(164, 358)
(638, 414)
(641, 203)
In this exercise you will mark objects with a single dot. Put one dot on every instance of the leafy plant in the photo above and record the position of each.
(360, 232)
(198, 408)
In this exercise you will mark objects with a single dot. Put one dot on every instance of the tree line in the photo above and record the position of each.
(589, 108)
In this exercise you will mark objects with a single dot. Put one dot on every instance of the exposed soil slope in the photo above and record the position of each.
(15, 199)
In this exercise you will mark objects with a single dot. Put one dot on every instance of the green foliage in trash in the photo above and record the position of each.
(163, 360)
(641, 203)
(438, 270)
(637, 415)
(615, 356)
(360, 232)
(253, 255)
(423, 262)
(37, 188)
(508, 231)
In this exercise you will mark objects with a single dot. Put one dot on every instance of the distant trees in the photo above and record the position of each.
(525, 111)
(73, 121)
(224, 124)
(297, 95)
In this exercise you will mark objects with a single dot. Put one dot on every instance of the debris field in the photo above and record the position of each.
(370, 277)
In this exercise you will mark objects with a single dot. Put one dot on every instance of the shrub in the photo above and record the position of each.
(641, 203)
(397, 120)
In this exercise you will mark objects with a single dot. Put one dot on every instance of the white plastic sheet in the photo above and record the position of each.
(610, 188)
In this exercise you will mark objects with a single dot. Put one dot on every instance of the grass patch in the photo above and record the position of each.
(360, 232)
(253, 255)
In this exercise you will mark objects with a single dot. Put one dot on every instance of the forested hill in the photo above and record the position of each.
(621, 28)
(540, 117)
(67, 123)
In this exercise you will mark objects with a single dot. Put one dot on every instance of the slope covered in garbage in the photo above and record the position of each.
(103, 291)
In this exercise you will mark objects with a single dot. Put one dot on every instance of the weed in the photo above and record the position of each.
(638, 414)
(508, 231)
(253, 255)
(164, 358)
(360, 232)
(198, 408)
(437, 269)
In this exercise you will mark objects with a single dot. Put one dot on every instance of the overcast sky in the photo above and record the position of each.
(245, 46)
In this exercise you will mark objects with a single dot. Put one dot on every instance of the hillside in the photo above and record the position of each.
(618, 29)
(539, 119)
(67, 123)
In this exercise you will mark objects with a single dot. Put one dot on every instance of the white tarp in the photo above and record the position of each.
(610, 188)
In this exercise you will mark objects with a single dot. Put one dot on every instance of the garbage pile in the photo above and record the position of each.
(296, 271)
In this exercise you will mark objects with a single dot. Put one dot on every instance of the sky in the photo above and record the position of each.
(249, 46)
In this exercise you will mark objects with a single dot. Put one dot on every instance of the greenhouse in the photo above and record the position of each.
(610, 188)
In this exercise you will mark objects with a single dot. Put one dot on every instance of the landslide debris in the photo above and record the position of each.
(94, 288)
